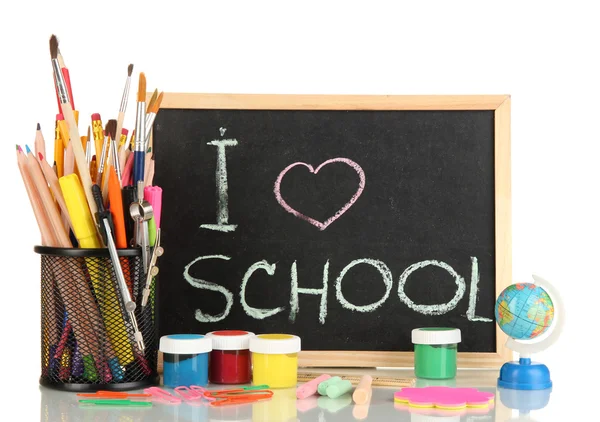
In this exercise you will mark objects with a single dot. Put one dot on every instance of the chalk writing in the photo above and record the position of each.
(437, 309)
(386, 274)
(257, 313)
(473, 293)
(320, 225)
(221, 180)
(295, 306)
(203, 284)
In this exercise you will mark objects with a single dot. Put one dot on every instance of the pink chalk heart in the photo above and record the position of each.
(444, 397)
(321, 225)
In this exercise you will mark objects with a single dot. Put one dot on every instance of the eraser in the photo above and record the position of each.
(124, 131)
(338, 389)
(309, 388)
(60, 117)
(96, 116)
(322, 388)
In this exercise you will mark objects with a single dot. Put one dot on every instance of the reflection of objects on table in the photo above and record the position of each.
(422, 382)
(524, 312)
(444, 398)
(63, 407)
(334, 405)
(281, 407)
(184, 412)
(237, 413)
(309, 403)
(361, 411)
(524, 401)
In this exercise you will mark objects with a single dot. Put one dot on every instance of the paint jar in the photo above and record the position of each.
(185, 359)
(435, 352)
(275, 360)
(230, 361)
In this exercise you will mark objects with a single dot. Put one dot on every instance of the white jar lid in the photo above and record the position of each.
(230, 339)
(275, 344)
(185, 344)
(438, 335)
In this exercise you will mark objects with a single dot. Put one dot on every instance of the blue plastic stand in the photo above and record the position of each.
(524, 375)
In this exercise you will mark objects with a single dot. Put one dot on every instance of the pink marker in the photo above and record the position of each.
(309, 388)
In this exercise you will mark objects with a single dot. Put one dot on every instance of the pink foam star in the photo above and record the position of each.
(444, 397)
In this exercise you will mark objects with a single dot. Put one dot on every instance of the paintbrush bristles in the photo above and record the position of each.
(158, 102)
(53, 47)
(130, 70)
(152, 101)
(142, 88)
(111, 129)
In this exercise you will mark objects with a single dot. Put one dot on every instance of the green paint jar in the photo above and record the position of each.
(435, 352)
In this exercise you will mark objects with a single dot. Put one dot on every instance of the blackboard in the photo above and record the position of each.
(348, 221)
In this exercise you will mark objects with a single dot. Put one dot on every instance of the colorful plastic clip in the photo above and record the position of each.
(162, 396)
(202, 391)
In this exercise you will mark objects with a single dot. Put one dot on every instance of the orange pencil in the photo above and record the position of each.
(59, 151)
(69, 159)
(116, 209)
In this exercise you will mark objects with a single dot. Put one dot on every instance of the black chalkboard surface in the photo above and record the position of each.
(348, 226)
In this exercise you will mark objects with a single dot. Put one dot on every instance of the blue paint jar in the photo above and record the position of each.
(185, 359)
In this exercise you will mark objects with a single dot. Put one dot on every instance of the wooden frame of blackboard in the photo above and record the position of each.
(500, 104)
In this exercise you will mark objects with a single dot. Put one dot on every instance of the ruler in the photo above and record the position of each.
(354, 379)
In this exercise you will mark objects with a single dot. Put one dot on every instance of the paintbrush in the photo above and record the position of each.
(152, 110)
(67, 111)
(111, 131)
(124, 100)
(102, 158)
(140, 132)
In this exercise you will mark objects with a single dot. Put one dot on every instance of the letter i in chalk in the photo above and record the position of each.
(309, 388)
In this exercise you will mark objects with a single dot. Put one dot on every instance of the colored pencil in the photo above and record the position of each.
(40, 144)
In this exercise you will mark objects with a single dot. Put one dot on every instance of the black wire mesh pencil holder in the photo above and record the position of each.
(88, 339)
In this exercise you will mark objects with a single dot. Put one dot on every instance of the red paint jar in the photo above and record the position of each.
(230, 361)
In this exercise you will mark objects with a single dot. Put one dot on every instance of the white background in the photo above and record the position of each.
(544, 54)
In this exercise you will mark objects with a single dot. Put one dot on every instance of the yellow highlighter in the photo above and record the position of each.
(86, 234)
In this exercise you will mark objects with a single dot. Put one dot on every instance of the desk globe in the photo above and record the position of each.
(525, 312)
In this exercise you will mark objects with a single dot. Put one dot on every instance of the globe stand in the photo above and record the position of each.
(525, 374)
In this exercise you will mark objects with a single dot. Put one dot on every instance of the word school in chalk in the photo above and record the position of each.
(223, 225)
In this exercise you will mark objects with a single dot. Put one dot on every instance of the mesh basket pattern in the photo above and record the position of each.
(87, 336)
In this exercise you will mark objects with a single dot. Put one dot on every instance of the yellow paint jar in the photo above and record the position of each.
(275, 360)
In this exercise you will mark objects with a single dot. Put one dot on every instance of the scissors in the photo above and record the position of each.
(141, 211)
(152, 268)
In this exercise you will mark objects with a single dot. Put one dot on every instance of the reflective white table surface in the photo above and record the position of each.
(509, 405)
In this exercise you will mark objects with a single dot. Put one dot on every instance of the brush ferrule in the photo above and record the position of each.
(140, 126)
(125, 96)
(61, 85)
